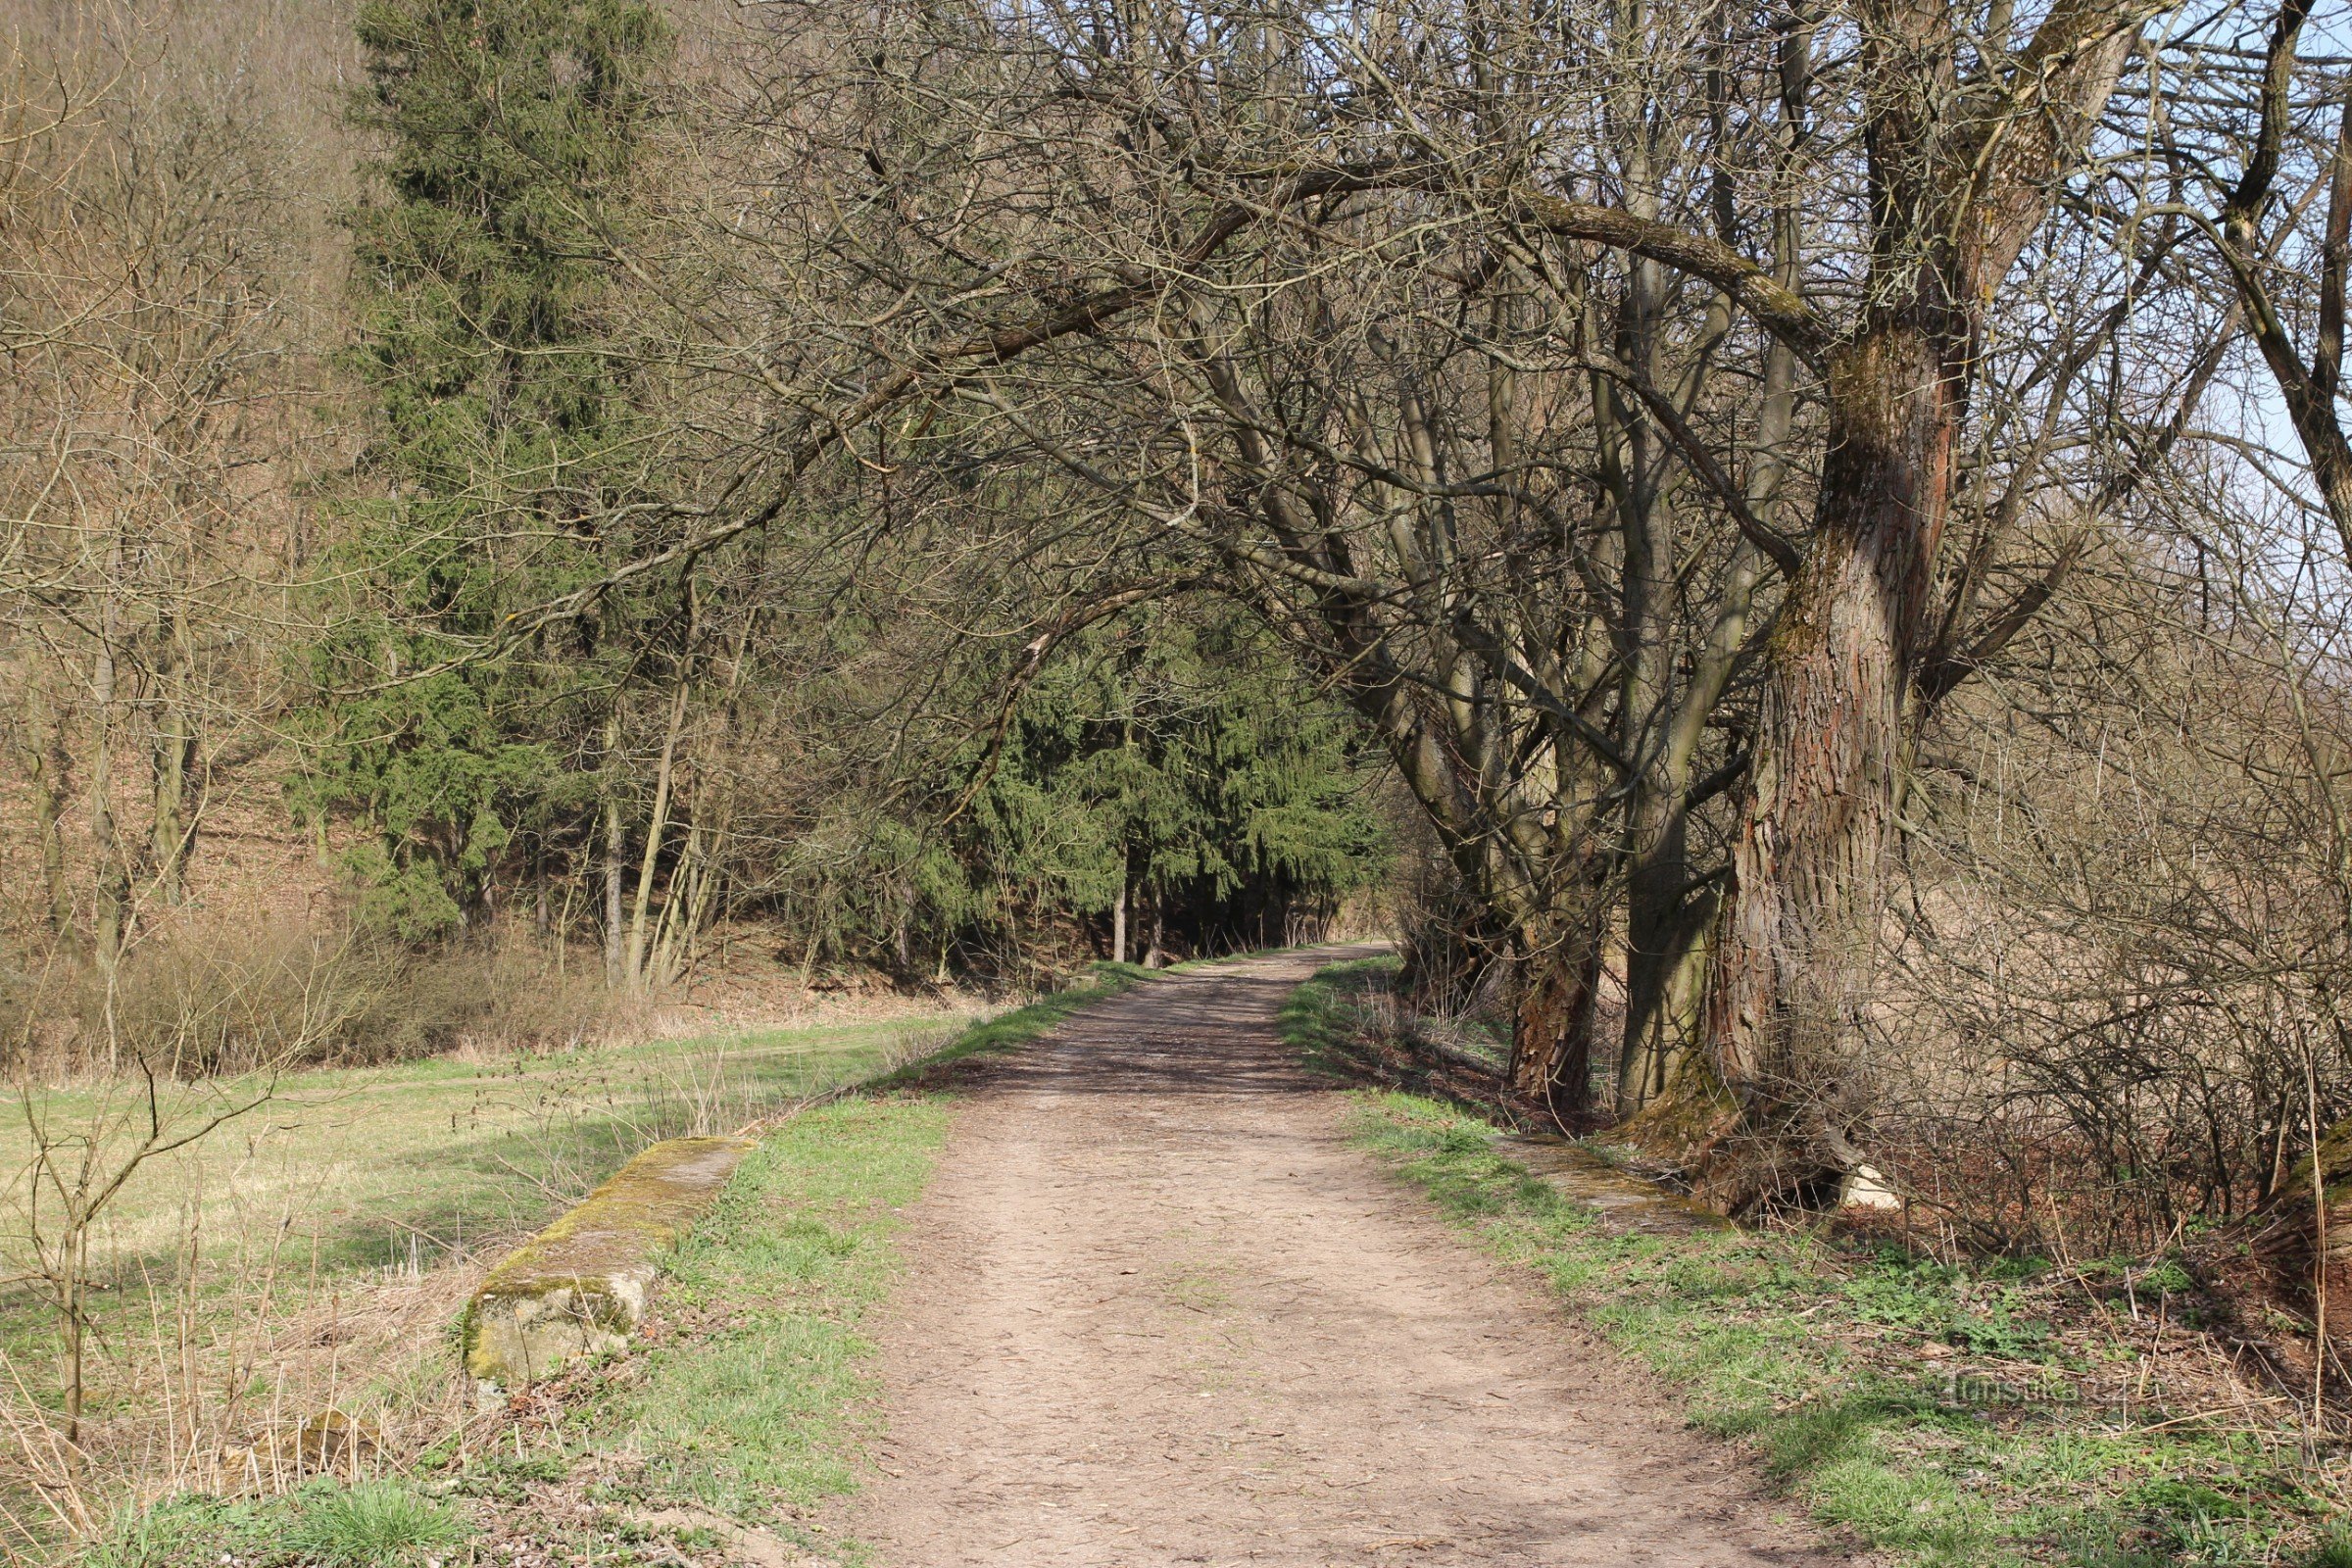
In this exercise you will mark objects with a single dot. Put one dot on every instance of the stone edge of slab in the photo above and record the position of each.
(578, 1288)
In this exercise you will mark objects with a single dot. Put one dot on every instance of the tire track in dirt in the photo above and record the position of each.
(1158, 1311)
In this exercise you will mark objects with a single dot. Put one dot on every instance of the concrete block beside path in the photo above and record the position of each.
(578, 1288)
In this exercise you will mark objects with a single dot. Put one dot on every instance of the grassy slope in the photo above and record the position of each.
(1754, 1333)
(365, 1159)
(752, 1404)
(354, 1173)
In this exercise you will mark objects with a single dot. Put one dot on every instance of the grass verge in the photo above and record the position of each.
(302, 1260)
(1009, 1030)
(1909, 1402)
(749, 1406)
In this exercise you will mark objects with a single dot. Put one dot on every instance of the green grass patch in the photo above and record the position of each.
(374, 1524)
(1023, 1024)
(756, 1404)
(755, 1401)
(1318, 1017)
(1766, 1339)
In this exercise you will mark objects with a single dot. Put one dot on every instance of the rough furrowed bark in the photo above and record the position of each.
(1557, 1000)
(1807, 883)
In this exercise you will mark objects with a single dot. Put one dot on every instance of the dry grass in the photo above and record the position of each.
(277, 1298)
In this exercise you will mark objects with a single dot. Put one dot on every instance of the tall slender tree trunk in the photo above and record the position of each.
(1118, 924)
(73, 1294)
(633, 960)
(110, 925)
(1668, 949)
(172, 831)
(1669, 913)
(1656, 862)
(615, 848)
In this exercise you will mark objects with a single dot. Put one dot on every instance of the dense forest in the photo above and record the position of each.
(325, 395)
(1794, 555)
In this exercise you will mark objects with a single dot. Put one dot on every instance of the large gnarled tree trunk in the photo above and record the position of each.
(1956, 195)
(1962, 174)
(1794, 949)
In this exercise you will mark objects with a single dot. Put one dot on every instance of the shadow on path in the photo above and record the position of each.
(1159, 1311)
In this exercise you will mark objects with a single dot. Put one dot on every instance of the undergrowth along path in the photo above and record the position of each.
(1159, 1311)
(1971, 1412)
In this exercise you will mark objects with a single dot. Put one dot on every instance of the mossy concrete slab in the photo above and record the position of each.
(578, 1288)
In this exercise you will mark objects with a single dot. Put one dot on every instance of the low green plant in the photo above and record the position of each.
(1903, 1292)
(375, 1524)
(1999, 1332)
(180, 1531)
(501, 1478)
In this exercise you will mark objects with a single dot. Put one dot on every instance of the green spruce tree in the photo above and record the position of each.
(505, 441)
(1178, 781)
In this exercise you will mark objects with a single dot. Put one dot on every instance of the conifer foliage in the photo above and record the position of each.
(505, 441)
(1188, 771)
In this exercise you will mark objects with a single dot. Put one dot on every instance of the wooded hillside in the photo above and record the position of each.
(1796, 554)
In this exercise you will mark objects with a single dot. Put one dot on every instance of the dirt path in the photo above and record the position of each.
(1159, 1313)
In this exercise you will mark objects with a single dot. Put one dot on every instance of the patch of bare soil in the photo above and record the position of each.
(1159, 1311)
